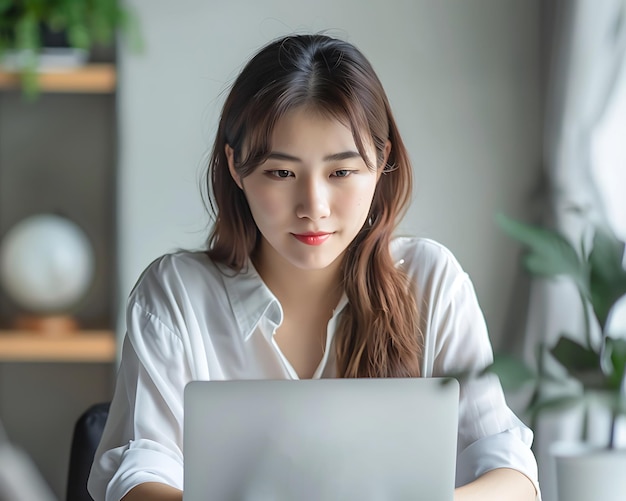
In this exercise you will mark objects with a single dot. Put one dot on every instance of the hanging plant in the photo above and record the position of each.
(82, 23)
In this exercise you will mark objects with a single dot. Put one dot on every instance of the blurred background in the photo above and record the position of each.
(473, 87)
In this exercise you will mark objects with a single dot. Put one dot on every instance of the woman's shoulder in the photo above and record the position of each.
(180, 271)
(424, 253)
(428, 263)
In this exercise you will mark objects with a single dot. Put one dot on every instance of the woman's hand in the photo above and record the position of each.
(153, 491)
(496, 485)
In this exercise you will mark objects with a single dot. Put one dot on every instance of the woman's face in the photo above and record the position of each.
(313, 194)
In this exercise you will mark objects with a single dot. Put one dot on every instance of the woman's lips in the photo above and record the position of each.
(312, 238)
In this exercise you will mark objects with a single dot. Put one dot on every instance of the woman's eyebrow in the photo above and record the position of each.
(343, 155)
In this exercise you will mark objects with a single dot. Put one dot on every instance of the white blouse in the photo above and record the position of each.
(191, 319)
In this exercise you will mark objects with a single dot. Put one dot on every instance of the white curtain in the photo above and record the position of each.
(609, 173)
(587, 55)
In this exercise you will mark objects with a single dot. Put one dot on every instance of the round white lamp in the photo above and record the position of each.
(46, 267)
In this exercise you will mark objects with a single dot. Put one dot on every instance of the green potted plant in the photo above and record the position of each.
(82, 24)
(587, 370)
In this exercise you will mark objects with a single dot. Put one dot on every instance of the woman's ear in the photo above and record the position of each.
(230, 157)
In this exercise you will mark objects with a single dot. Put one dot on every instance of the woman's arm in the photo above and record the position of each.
(498, 484)
(490, 436)
(153, 491)
(494, 485)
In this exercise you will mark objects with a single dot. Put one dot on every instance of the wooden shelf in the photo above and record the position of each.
(82, 346)
(91, 78)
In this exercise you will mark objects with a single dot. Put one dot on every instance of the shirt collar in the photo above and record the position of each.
(250, 299)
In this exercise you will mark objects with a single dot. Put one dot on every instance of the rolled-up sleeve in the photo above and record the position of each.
(142, 440)
(490, 434)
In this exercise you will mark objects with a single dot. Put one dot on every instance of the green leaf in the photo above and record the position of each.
(131, 31)
(30, 84)
(27, 33)
(616, 350)
(79, 36)
(555, 403)
(5, 5)
(575, 357)
(549, 253)
(512, 372)
(607, 280)
(581, 363)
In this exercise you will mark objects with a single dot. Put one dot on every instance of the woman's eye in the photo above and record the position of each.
(342, 173)
(281, 173)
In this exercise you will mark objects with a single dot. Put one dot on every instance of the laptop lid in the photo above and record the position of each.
(324, 439)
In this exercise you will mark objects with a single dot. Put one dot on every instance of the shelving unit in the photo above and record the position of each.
(58, 154)
(91, 78)
(83, 346)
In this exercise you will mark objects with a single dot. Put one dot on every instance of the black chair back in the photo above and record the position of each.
(87, 434)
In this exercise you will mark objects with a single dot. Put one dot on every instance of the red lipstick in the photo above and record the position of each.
(312, 238)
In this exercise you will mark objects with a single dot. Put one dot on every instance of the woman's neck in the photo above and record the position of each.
(296, 287)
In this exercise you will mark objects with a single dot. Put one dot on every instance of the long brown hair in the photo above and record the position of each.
(378, 333)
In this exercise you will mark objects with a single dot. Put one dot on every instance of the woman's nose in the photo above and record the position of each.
(313, 200)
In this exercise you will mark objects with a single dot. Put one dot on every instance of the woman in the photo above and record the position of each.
(303, 278)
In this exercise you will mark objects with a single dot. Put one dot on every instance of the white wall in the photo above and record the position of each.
(463, 76)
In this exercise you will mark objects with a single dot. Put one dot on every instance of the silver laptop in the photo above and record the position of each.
(321, 440)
